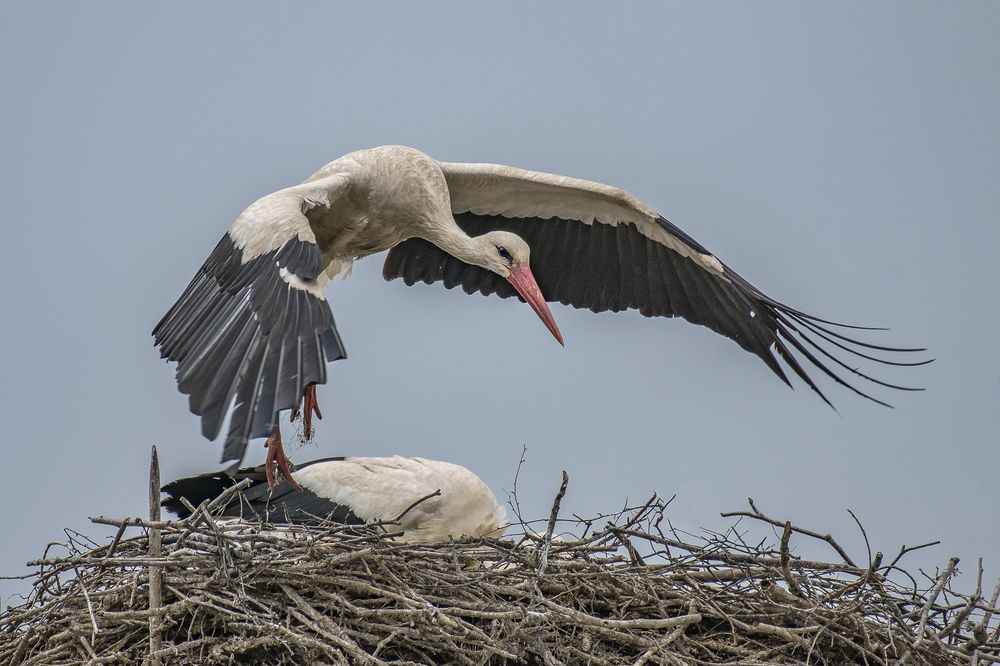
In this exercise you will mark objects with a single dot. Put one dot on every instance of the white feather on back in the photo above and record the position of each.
(382, 488)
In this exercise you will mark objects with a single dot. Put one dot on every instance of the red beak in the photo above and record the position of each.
(524, 282)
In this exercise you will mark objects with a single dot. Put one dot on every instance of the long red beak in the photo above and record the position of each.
(524, 282)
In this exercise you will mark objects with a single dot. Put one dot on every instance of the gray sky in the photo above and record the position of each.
(845, 159)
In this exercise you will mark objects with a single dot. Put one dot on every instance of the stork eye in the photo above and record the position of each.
(502, 251)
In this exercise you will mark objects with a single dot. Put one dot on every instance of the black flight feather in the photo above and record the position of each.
(282, 505)
(241, 334)
(606, 267)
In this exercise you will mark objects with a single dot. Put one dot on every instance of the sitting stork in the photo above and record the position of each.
(356, 491)
(253, 329)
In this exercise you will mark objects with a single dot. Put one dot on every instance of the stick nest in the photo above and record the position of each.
(628, 588)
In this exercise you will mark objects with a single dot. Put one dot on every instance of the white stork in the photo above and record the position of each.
(254, 329)
(356, 491)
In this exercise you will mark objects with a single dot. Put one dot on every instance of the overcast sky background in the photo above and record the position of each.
(844, 158)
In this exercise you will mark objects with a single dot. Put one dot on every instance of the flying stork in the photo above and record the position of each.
(253, 329)
(356, 491)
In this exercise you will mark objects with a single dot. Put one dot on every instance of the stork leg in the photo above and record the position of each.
(276, 456)
(309, 407)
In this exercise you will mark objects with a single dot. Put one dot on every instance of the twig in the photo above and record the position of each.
(436, 493)
(633, 554)
(904, 549)
(543, 557)
(88, 648)
(512, 496)
(155, 591)
(90, 606)
(208, 507)
(942, 580)
(124, 523)
(864, 534)
(659, 623)
(793, 586)
(979, 631)
(757, 515)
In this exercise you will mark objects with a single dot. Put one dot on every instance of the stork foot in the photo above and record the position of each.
(276, 456)
(309, 407)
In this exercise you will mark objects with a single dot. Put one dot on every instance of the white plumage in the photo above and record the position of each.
(361, 490)
(383, 488)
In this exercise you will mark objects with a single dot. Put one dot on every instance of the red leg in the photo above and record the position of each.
(276, 455)
(309, 407)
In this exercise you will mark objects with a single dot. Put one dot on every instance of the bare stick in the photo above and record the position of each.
(793, 586)
(124, 523)
(757, 515)
(90, 609)
(512, 496)
(155, 590)
(436, 493)
(543, 559)
(861, 527)
(974, 599)
(904, 549)
(942, 580)
(630, 549)
(210, 506)
(979, 631)
(114, 542)
(224, 496)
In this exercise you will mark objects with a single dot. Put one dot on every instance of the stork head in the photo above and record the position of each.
(508, 256)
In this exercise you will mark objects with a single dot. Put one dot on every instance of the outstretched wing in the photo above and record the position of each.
(254, 326)
(597, 247)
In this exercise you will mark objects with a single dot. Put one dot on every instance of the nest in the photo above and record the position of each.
(626, 589)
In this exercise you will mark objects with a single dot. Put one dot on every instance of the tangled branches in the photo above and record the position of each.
(629, 589)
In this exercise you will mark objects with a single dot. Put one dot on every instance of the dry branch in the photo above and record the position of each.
(155, 581)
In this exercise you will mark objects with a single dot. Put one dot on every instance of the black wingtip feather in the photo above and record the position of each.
(808, 321)
(812, 343)
(608, 268)
(801, 349)
(196, 490)
(822, 333)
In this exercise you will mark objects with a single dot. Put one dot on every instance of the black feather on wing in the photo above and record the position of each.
(239, 331)
(284, 504)
(606, 267)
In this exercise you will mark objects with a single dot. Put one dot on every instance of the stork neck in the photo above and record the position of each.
(460, 245)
